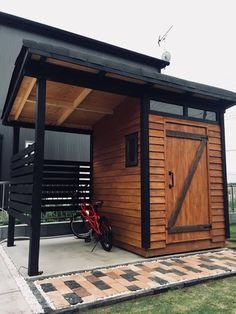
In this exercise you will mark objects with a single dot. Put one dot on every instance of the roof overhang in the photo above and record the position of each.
(91, 71)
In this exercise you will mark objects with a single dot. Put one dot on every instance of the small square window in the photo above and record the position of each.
(131, 150)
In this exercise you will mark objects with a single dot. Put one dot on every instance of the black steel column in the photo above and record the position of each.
(145, 176)
(33, 264)
(91, 167)
(226, 203)
(12, 220)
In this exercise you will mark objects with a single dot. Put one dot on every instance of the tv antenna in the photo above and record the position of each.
(166, 56)
(161, 39)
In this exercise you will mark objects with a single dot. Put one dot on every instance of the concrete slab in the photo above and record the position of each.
(13, 303)
(66, 254)
(7, 282)
(11, 298)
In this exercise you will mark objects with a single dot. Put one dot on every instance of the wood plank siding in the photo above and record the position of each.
(114, 183)
(160, 239)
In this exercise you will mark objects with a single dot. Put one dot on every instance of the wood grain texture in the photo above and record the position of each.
(66, 105)
(209, 183)
(118, 186)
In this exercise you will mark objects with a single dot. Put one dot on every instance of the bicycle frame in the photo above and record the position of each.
(91, 217)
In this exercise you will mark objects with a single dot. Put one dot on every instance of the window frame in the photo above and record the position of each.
(185, 111)
(129, 163)
(168, 103)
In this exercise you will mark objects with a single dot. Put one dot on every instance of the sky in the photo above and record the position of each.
(202, 41)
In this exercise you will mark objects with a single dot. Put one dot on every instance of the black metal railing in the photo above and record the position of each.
(21, 184)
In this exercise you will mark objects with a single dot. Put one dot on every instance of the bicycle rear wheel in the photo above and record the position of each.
(106, 234)
(78, 227)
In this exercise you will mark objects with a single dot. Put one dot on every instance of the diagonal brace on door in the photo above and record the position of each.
(187, 183)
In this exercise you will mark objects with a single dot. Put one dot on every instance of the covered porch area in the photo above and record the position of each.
(47, 93)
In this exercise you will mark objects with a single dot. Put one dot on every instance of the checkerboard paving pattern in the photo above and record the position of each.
(99, 284)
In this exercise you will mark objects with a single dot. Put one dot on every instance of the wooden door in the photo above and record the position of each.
(187, 183)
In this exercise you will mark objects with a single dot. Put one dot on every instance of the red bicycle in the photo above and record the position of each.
(87, 223)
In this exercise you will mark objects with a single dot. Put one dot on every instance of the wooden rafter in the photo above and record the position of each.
(85, 92)
(65, 104)
(25, 97)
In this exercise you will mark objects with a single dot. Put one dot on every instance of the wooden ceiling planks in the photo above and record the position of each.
(66, 105)
(79, 99)
(83, 117)
(102, 101)
(27, 86)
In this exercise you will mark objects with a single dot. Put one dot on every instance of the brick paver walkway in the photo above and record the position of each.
(129, 280)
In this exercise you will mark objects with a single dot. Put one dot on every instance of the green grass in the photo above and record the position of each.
(212, 297)
(233, 231)
(3, 218)
(47, 217)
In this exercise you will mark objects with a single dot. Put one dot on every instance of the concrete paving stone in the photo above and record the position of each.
(105, 285)
(232, 265)
(133, 288)
(88, 299)
(60, 286)
(168, 277)
(167, 263)
(119, 288)
(109, 292)
(144, 273)
(91, 278)
(110, 281)
(124, 282)
(72, 298)
(177, 272)
(159, 280)
(92, 289)
(98, 273)
(113, 275)
(161, 270)
(47, 287)
(142, 278)
(128, 277)
(118, 271)
(72, 284)
(191, 269)
(101, 285)
(143, 285)
(81, 292)
(57, 299)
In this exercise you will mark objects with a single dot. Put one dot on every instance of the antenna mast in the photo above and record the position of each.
(163, 38)
(166, 54)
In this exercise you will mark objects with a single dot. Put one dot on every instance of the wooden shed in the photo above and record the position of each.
(157, 147)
